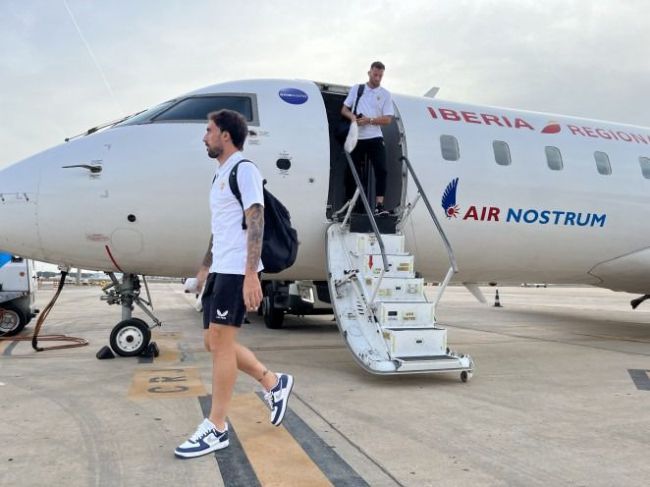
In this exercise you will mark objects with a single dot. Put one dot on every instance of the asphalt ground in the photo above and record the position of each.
(560, 396)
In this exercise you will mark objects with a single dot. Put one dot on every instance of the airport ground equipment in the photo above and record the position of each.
(301, 298)
(380, 305)
(131, 336)
(17, 295)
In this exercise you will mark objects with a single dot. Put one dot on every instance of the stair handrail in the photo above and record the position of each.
(360, 193)
(450, 252)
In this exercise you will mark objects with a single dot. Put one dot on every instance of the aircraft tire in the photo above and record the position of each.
(13, 320)
(130, 338)
(273, 317)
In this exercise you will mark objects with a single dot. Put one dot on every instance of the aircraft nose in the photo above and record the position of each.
(19, 185)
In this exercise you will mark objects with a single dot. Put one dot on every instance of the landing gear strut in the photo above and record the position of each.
(131, 336)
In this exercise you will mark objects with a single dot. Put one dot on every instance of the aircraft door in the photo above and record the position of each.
(333, 98)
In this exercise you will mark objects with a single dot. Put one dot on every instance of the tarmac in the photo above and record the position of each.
(560, 397)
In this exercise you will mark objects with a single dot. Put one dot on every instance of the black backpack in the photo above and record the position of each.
(280, 246)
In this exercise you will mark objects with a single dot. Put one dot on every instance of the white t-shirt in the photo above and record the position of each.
(229, 244)
(374, 102)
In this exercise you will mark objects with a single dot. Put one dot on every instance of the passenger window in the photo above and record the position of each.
(501, 153)
(554, 158)
(449, 148)
(602, 163)
(645, 166)
(197, 108)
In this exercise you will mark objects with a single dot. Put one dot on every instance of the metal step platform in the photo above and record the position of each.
(380, 305)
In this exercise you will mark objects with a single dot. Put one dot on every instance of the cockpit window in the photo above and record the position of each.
(146, 115)
(196, 109)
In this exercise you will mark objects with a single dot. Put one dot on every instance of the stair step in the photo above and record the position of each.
(367, 243)
(400, 314)
(434, 364)
(409, 289)
(416, 343)
(371, 265)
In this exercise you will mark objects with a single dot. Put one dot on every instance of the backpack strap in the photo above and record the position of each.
(359, 95)
(234, 187)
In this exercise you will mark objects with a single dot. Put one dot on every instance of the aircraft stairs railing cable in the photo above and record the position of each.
(380, 305)
(453, 269)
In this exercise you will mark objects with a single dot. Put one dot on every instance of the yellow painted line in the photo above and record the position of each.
(276, 457)
(167, 345)
(165, 383)
(3, 345)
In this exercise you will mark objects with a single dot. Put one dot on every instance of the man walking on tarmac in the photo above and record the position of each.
(230, 272)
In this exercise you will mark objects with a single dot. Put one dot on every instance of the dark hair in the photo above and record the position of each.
(232, 122)
(378, 65)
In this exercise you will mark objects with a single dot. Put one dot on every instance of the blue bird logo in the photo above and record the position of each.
(449, 199)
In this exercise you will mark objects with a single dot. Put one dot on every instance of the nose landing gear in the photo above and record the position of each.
(131, 336)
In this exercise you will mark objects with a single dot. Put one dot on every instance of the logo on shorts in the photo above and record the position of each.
(222, 315)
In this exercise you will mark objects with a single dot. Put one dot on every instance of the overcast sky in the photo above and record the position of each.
(66, 66)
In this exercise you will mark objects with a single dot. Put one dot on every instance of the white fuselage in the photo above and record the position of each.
(522, 222)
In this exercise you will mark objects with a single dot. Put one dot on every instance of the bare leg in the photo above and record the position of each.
(222, 341)
(248, 363)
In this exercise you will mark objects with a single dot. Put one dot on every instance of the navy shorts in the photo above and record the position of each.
(223, 300)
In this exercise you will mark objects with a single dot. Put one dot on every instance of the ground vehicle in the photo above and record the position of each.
(302, 297)
(17, 293)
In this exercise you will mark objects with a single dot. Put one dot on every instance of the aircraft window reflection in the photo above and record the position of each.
(449, 148)
(197, 108)
(645, 166)
(602, 163)
(147, 115)
(554, 158)
(501, 153)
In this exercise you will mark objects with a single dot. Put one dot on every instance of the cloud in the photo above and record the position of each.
(585, 58)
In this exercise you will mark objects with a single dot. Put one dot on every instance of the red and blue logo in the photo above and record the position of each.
(517, 215)
(449, 200)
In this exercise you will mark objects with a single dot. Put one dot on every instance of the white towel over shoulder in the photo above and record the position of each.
(353, 136)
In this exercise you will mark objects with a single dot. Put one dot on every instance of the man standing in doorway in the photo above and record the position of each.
(375, 109)
(230, 272)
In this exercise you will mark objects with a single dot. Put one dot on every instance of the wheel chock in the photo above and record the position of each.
(104, 353)
(152, 350)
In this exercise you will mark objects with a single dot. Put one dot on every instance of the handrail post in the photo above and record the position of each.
(450, 253)
(373, 223)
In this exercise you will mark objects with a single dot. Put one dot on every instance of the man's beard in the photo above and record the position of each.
(214, 153)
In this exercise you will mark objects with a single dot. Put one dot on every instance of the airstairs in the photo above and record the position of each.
(381, 308)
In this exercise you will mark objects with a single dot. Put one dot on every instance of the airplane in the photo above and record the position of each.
(521, 196)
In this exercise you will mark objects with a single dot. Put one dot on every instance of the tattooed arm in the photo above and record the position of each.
(202, 275)
(255, 238)
(207, 260)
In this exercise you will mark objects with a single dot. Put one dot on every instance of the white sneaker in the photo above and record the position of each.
(278, 398)
(206, 439)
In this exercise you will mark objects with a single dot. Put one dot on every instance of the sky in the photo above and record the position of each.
(68, 65)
